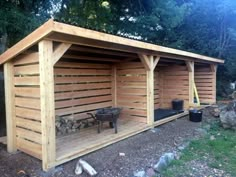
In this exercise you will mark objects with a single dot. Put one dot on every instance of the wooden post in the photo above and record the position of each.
(213, 68)
(114, 85)
(150, 63)
(47, 103)
(190, 66)
(150, 92)
(10, 107)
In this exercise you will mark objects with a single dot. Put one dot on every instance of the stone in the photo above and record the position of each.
(121, 154)
(228, 116)
(140, 174)
(212, 137)
(200, 132)
(183, 146)
(150, 172)
(164, 162)
(177, 155)
(214, 110)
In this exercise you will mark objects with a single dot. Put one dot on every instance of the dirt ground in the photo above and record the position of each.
(141, 151)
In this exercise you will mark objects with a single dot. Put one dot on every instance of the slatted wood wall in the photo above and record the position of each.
(205, 81)
(81, 88)
(27, 104)
(132, 91)
(175, 85)
(158, 82)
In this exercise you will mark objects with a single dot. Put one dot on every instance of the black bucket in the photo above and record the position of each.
(178, 105)
(195, 116)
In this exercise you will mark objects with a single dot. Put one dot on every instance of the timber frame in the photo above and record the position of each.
(64, 70)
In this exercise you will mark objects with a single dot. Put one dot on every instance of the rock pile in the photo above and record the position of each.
(228, 116)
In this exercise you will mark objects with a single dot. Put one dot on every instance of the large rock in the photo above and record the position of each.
(228, 116)
(164, 162)
(214, 110)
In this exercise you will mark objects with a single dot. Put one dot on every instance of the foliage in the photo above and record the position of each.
(218, 153)
(19, 17)
(207, 27)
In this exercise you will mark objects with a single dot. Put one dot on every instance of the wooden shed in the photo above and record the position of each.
(67, 71)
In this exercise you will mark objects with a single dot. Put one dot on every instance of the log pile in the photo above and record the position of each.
(64, 125)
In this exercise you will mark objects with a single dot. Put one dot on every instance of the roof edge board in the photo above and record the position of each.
(87, 33)
(27, 42)
(51, 26)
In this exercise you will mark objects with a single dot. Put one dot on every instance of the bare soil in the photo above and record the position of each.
(141, 151)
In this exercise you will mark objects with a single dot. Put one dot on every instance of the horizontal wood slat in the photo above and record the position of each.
(131, 91)
(81, 88)
(30, 147)
(205, 83)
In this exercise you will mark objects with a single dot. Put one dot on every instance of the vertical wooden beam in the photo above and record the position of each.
(150, 92)
(190, 66)
(47, 103)
(114, 85)
(10, 106)
(213, 68)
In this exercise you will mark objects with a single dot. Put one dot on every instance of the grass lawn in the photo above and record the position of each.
(217, 150)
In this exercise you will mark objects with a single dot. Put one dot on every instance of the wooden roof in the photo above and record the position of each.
(61, 32)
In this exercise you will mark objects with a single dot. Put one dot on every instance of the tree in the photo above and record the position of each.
(19, 17)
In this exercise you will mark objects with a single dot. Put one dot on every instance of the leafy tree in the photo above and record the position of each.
(19, 17)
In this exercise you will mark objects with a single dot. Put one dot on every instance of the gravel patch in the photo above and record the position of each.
(141, 152)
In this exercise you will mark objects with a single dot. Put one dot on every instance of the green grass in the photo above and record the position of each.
(219, 153)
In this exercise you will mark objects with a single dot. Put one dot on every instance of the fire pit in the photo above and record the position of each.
(107, 115)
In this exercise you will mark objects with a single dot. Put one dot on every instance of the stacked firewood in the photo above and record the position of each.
(64, 125)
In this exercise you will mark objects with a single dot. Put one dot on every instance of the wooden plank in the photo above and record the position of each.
(29, 135)
(82, 65)
(28, 124)
(81, 57)
(64, 80)
(82, 101)
(47, 103)
(132, 71)
(131, 78)
(85, 86)
(27, 80)
(82, 72)
(27, 103)
(32, 92)
(24, 59)
(30, 148)
(28, 113)
(3, 140)
(60, 51)
(10, 108)
(26, 70)
(84, 108)
(81, 94)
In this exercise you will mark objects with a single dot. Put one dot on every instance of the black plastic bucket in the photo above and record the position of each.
(178, 105)
(195, 116)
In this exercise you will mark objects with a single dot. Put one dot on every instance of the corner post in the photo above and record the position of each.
(213, 68)
(10, 107)
(47, 103)
(190, 66)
